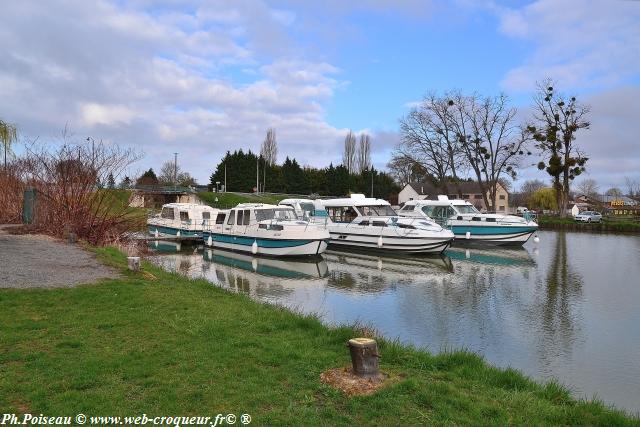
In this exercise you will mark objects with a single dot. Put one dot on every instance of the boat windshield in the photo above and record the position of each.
(383, 210)
(276, 213)
(466, 209)
(307, 208)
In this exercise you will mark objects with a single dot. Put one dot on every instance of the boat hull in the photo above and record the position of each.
(497, 235)
(266, 246)
(167, 231)
(418, 245)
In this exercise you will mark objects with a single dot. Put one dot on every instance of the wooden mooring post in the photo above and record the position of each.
(133, 263)
(364, 357)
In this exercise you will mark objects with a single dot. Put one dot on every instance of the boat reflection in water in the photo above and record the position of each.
(508, 257)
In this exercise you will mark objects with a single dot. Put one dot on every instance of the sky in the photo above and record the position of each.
(204, 77)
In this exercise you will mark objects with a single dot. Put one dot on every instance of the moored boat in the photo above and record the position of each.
(263, 229)
(469, 225)
(181, 220)
(369, 224)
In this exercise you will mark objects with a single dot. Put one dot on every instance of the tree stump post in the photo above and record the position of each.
(364, 357)
(133, 263)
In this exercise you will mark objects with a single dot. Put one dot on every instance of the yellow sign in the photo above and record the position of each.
(617, 203)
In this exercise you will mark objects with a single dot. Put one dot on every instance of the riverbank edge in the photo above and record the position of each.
(570, 225)
(457, 386)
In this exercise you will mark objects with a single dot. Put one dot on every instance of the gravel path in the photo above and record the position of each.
(33, 261)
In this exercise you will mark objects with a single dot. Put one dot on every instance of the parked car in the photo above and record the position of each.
(588, 216)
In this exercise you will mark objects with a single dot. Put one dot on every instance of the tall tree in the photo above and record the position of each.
(492, 142)
(556, 123)
(614, 192)
(111, 181)
(588, 187)
(269, 148)
(633, 186)
(404, 170)
(8, 135)
(364, 153)
(125, 183)
(148, 178)
(429, 137)
(349, 154)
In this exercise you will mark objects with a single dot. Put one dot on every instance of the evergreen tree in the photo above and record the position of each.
(148, 178)
(111, 182)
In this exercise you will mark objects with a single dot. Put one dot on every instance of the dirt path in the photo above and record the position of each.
(33, 261)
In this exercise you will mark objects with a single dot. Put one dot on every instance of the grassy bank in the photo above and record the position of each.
(229, 200)
(161, 344)
(615, 225)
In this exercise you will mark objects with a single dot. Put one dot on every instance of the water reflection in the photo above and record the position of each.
(564, 308)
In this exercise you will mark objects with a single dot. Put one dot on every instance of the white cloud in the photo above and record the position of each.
(163, 79)
(577, 43)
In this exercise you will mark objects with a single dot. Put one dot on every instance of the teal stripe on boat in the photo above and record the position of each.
(174, 231)
(488, 230)
(262, 243)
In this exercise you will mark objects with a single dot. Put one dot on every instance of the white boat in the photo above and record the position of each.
(263, 229)
(469, 225)
(365, 223)
(181, 220)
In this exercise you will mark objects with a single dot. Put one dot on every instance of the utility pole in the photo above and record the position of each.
(225, 177)
(257, 175)
(175, 171)
(371, 181)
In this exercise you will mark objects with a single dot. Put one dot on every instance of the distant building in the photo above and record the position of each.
(154, 196)
(470, 192)
(610, 205)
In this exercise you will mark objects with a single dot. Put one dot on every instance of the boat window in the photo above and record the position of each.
(167, 213)
(308, 209)
(364, 223)
(284, 213)
(247, 217)
(428, 210)
(459, 218)
(206, 215)
(220, 218)
(476, 218)
(232, 217)
(184, 216)
(342, 213)
(379, 224)
(466, 209)
(490, 219)
(383, 210)
(411, 227)
(240, 216)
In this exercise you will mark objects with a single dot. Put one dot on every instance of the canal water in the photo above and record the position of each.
(567, 307)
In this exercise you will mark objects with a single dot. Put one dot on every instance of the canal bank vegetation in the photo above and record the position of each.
(157, 343)
(69, 190)
(230, 200)
(613, 224)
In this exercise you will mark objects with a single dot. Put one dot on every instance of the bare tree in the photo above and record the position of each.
(614, 192)
(492, 142)
(349, 154)
(556, 122)
(66, 178)
(531, 186)
(404, 170)
(588, 187)
(269, 148)
(364, 153)
(172, 174)
(633, 186)
(429, 138)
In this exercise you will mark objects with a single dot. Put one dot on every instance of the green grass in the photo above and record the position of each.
(174, 346)
(229, 200)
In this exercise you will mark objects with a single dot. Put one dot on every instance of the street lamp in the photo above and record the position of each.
(217, 186)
